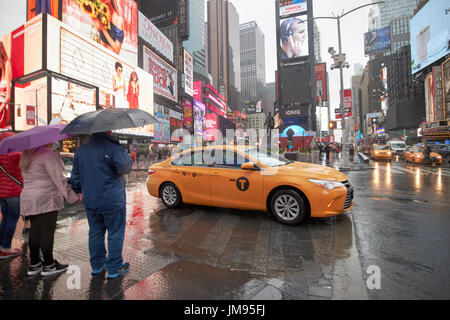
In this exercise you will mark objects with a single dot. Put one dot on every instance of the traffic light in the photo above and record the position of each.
(332, 125)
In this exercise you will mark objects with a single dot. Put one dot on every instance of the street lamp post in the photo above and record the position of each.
(341, 63)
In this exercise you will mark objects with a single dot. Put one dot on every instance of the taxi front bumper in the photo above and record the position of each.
(334, 202)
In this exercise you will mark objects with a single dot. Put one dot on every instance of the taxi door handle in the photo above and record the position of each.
(215, 174)
(232, 180)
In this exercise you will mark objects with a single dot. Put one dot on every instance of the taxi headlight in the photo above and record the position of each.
(389, 153)
(327, 184)
(438, 157)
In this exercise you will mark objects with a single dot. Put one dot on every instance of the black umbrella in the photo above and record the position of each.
(108, 120)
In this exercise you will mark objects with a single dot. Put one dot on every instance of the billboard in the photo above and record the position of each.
(162, 128)
(292, 7)
(296, 124)
(446, 86)
(151, 34)
(378, 40)
(188, 73)
(163, 13)
(347, 105)
(293, 111)
(164, 75)
(69, 100)
(321, 81)
(199, 119)
(429, 36)
(187, 115)
(211, 127)
(293, 38)
(15, 61)
(36, 7)
(198, 91)
(31, 104)
(176, 122)
(429, 98)
(112, 24)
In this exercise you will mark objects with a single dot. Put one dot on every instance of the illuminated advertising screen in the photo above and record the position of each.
(151, 34)
(187, 115)
(112, 24)
(378, 40)
(198, 91)
(289, 7)
(296, 124)
(429, 98)
(321, 81)
(164, 76)
(176, 122)
(430, 34)
(211, 127)
(199, 119)
(446, 86)
(16, 61)
(70, 100)
(31, 105)
(293, 38)
(215, 101)
(36, 7)
(188, 73)
(162, 128)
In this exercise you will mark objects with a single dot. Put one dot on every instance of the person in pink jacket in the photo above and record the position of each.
(44, 191)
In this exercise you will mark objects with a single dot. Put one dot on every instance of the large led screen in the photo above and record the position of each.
(293, 37)
(16, 60)
(199, 119)
(31, 105)
(70, 100)
(288, 7)
(111, 23)
(164, 75)
(36, 7)
(430, 34)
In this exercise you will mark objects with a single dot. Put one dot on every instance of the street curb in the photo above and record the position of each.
(363, 157)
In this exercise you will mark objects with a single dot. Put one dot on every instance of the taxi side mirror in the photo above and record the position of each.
(249, 166)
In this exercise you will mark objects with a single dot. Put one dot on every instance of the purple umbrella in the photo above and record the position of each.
(32, 138)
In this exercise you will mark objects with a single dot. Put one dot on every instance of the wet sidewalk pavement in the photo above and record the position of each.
(187, 253)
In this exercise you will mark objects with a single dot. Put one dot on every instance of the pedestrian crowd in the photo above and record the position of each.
(32, 185)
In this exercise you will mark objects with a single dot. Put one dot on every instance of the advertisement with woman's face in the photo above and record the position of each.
(111, 23)
(293, 37)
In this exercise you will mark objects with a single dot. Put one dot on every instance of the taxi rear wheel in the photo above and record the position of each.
(288, 207)
(170, 195)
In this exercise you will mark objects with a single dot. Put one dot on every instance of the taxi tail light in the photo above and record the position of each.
(151, 171)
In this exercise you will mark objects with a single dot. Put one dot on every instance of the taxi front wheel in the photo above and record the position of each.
(288, 207)
(170, 195)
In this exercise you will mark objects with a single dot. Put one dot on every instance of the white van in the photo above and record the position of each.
(398, 147)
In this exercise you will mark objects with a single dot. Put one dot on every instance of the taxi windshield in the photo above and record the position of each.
(266, 158)
(381, 147)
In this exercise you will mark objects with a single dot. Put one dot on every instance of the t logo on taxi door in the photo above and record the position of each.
(242, 183)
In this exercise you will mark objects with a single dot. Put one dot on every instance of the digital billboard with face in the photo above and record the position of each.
(293, 37)
(16, 61)
(199, 119)
(111, 23)
(430, 34)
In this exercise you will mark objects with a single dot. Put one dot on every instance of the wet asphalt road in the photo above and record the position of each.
(399, 224)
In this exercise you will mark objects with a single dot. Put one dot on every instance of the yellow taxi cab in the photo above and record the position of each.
(417, 155)
(249, 178)
(381, 151)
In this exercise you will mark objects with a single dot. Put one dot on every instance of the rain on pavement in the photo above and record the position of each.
(399, 223)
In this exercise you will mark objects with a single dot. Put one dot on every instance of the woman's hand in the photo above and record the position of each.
(80, 197)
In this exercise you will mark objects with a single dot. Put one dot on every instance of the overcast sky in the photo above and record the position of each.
(263, 12)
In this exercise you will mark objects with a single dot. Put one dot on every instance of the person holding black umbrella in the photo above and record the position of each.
(98, 173)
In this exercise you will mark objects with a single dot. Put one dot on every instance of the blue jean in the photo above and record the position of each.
(99, 223)
(10, 214)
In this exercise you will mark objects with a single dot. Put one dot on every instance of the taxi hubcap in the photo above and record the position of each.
(169, 195)
(287, 207)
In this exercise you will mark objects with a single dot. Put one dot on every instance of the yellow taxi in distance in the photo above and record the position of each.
(381, 151)
(417, 155)
(248, 178)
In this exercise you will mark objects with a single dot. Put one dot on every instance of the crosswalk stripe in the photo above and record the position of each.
(422, 171)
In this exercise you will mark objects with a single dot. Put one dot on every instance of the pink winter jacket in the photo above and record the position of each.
(45, 186)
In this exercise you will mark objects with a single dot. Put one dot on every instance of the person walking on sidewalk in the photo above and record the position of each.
(98, 172)
(44, 191)
(10, 188)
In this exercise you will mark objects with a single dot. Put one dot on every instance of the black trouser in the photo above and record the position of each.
(42, 235)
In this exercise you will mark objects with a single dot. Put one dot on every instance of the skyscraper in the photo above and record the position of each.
(196, 45)
(317, 43)
(253, 70)
(224, 50)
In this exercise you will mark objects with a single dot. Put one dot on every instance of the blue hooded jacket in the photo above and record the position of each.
(98, 170)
